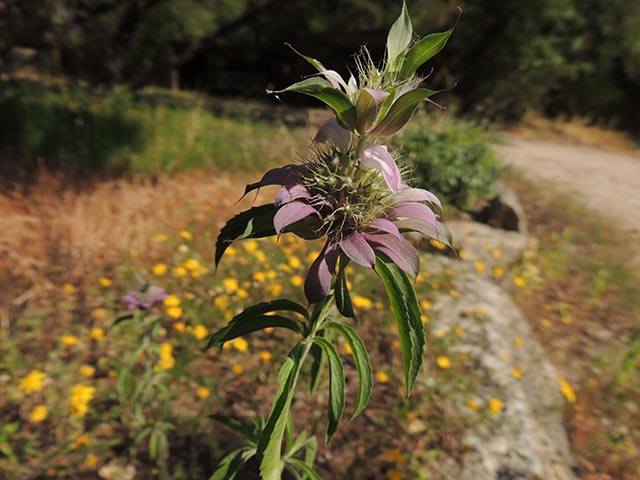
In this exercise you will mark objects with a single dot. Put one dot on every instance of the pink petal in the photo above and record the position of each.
(331, 131)
(288, 194)
(377, 156)
(291, 213)
(414, 210)
(386, 226)
(378, 95)
(358, 250)
(399, 250)
(405, 195)
(433, 230)
(318, 281)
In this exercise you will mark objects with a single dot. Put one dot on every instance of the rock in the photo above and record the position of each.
(503, 211)
(490, 245)
(526, 440)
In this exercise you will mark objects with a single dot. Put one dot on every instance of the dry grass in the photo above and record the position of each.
(52, 233)
(576, 130)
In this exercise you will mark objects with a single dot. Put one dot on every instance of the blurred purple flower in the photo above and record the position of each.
(359, 203)
(145, 297)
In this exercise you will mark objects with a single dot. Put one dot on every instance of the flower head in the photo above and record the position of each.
(145, 297)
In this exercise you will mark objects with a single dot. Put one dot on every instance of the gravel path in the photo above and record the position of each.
(604, 181)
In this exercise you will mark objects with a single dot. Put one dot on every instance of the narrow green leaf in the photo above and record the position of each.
(231, 464)
(363, 365)
(336, 386)
(309, 472)
(311, 450)
(256, 222)
(343, 299)
(273, 306)
(400, 112)
(270, 443)
(296, 444)
(408, 316)
(316, 366)
(325, 92)
(424, 50)
(288, 434)
(399, 35)
(246, 325)
(246, 431)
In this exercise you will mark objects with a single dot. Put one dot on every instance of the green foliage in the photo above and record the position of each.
(80, 130)
(453, 159)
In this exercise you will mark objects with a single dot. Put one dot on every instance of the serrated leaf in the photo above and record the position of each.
(257, 222)
(231, 464)
(343, 298)
(309, 472)
(399, 36)
(363, 365)
(400, 112)
(237, 328)
(269, 445)
(422, 51)
(336, 386)
(408, 316)
(325, 92)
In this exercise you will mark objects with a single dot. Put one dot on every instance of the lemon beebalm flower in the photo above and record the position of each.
(33, 382)
(38, 414)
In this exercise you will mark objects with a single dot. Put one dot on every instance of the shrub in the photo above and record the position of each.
(453, 159)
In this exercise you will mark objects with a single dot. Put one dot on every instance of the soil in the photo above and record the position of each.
(604, 181)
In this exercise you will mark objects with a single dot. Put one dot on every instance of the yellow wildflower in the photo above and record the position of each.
(382, 377)
(479, 266)
(495, 405)
(480, 310)
(159, 238)
(457, 330)
(82, 441)
(454, 293)
(440, 332)
(251, 246)
(566, 319)
(200, 332)
(174, 312)
(179, 326)
(498, 272)
(362, 302)
(472, 405)
(443, 362)
(91, 461)
(271, 274)
(87, 370)
(99, 314)
(167, 362)
(221, 302)
(180, 272)
(38, 414)
(203, 392)
(516, 373)
(69, 340)
(424, 318)
(265, 356)
(79, 399)
(230, 285)
(439, 245)
(394, 455)
(496, 254)
(518, 341)
(259, 277)
(159, 269)
(97, 334)
(68, 288)
(566, 389)
(275, 289)
(237, 369)
(240, 344)
(105, 282)
(425, 304)
(186, 235)
(242, 293)
(171, 301)
(297, 281)
(519, 282)
(295, 263)
(546, 323)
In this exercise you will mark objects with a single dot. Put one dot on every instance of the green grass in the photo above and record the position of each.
(80, 130)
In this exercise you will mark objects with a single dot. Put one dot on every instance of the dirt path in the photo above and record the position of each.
(604, 181)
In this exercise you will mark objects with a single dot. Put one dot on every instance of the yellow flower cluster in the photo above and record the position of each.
(79, 399)
(166, 362)
(33, 382)
(172, 306)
